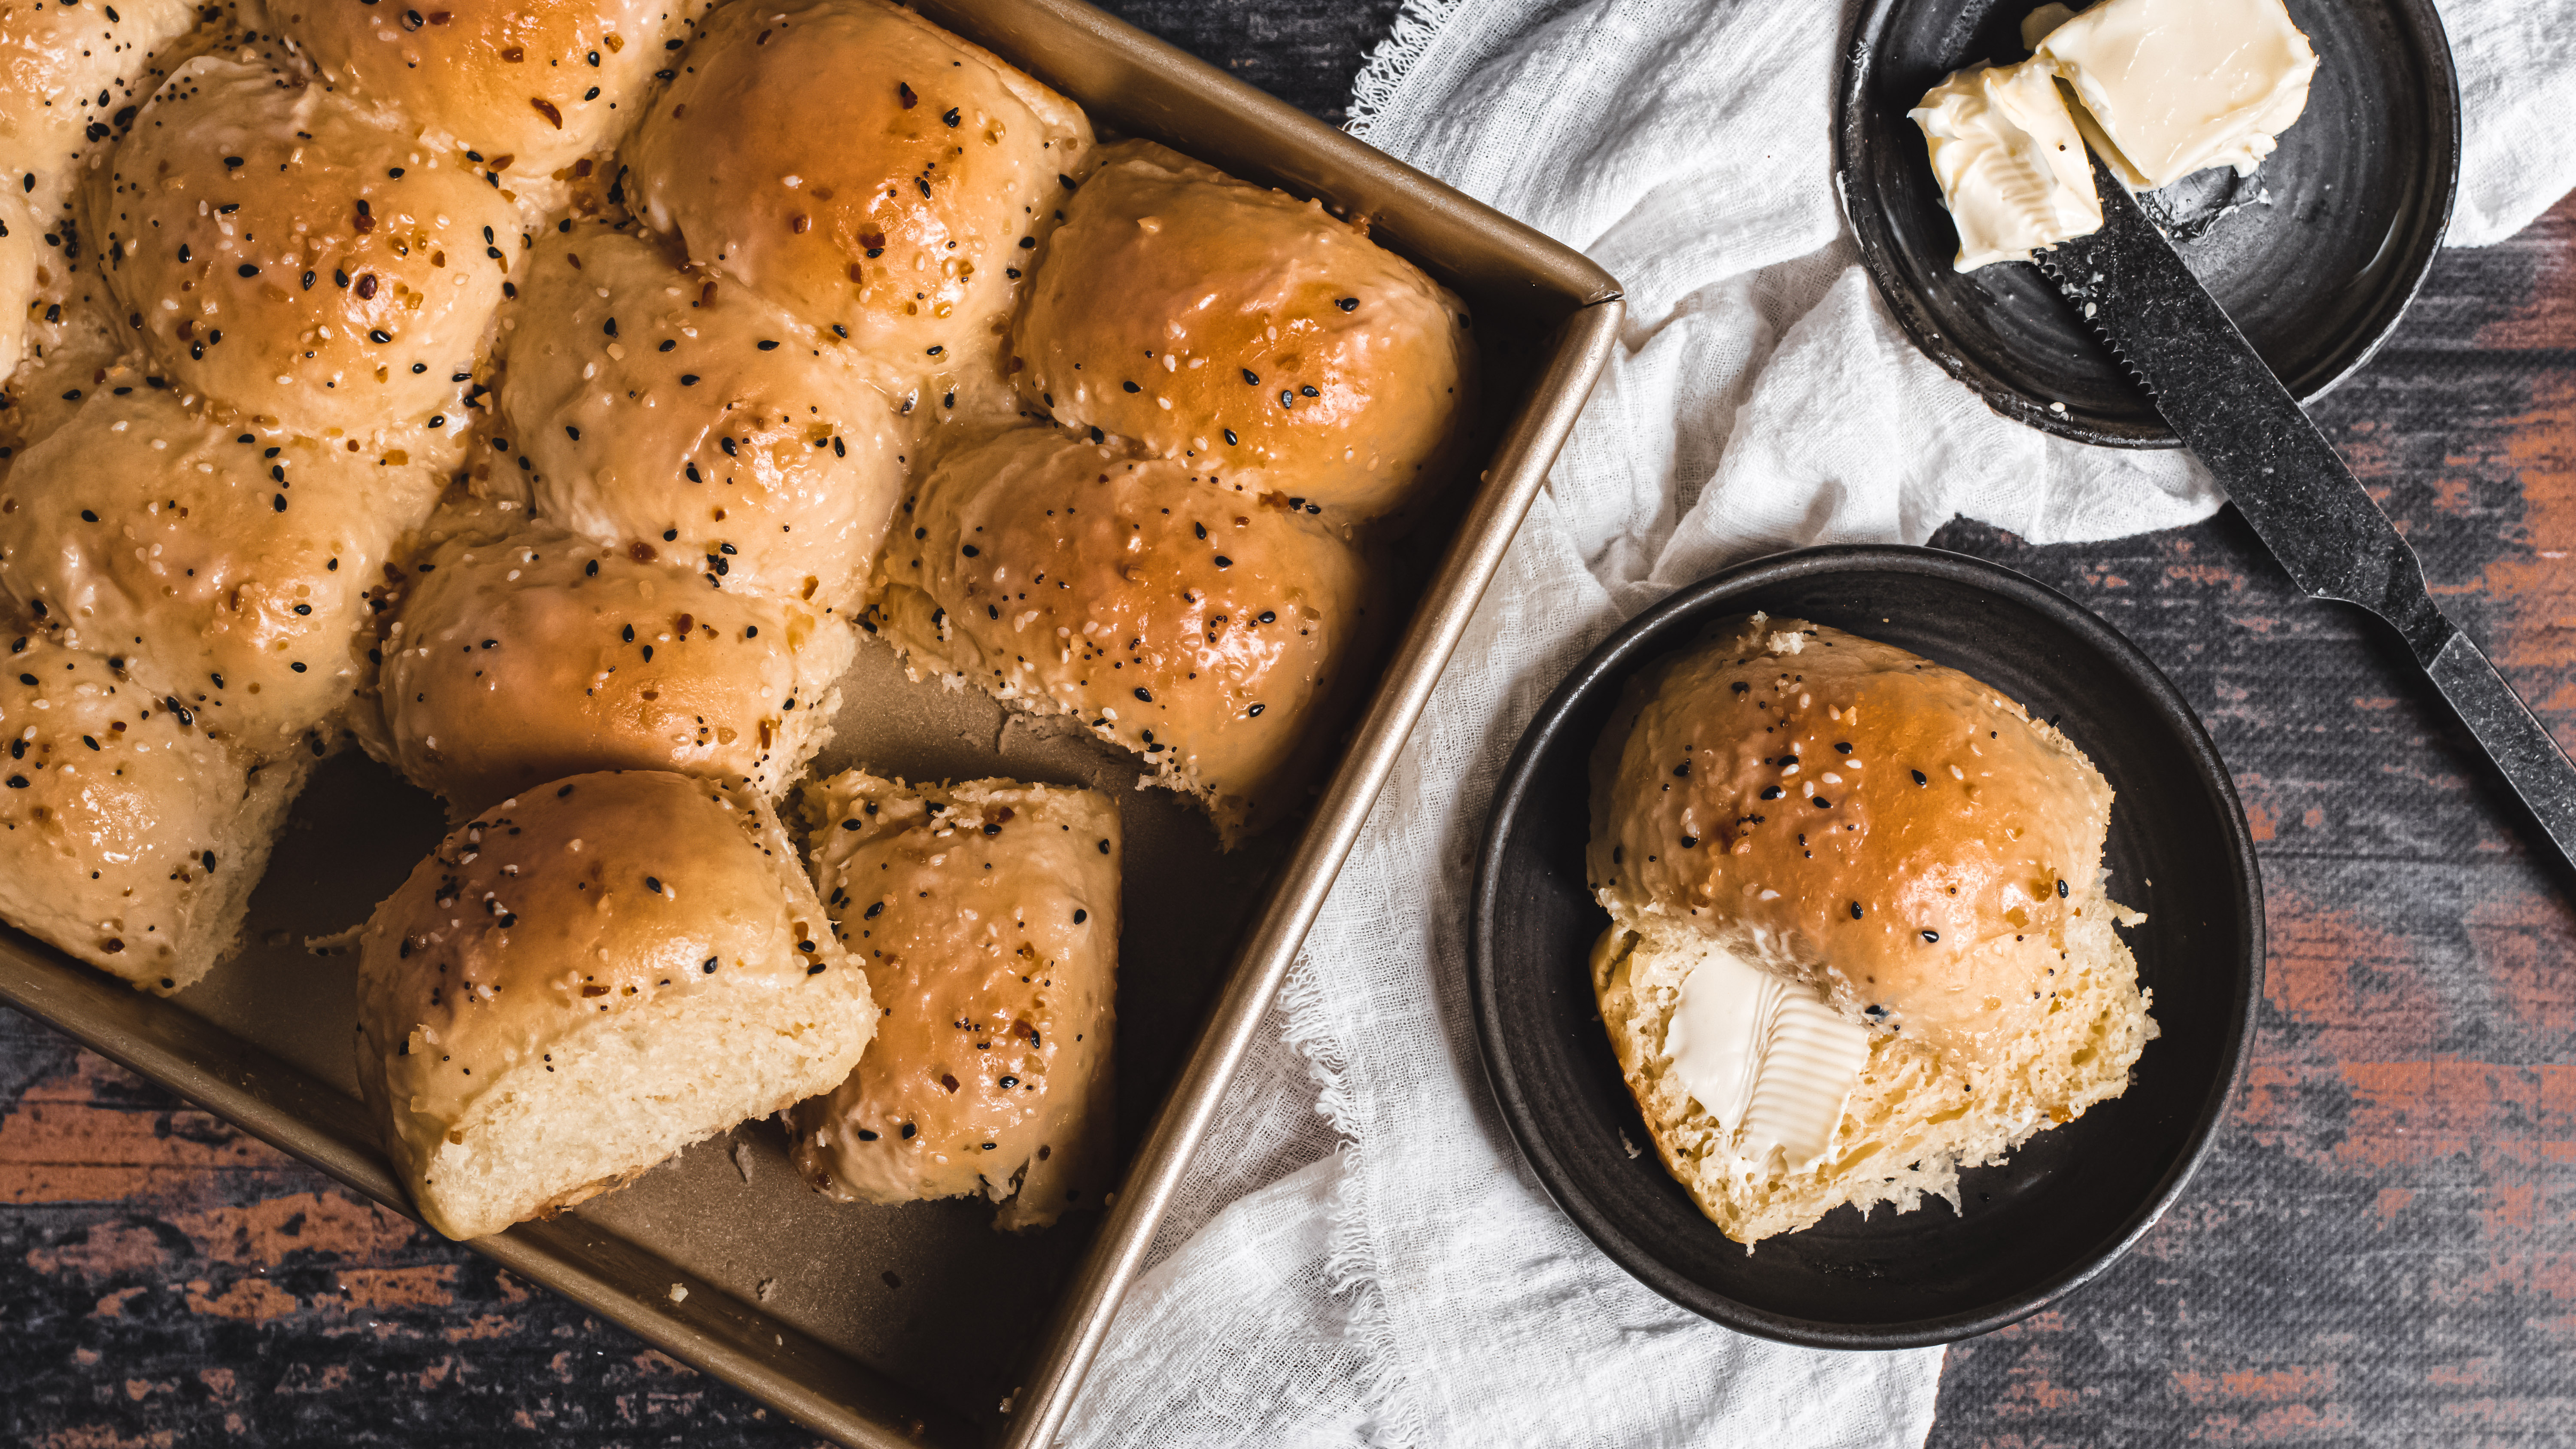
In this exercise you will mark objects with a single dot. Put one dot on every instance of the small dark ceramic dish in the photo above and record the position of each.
(2072, 1199)
(2323, 249)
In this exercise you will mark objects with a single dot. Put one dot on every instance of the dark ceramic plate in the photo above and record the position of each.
(2359, 194)
(2072, 1199)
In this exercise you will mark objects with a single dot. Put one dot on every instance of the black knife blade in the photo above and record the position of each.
(2224, 403)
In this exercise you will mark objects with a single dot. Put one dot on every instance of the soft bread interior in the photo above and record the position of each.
(608, 1100)
(1916, 1116)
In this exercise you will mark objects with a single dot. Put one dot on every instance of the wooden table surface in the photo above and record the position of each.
(2380, 1250)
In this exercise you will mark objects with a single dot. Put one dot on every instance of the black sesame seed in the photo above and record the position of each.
(1919, 777)
(1855, 910)
(2061, 890)
(1252, 377)
(1770, 792)
(1080, 915)
(1141, 693)
(1230, 437)
(1842, 747)
(1931, 935)
(1820, 802)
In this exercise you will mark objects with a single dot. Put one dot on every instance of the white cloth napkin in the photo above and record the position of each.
(1387, 1272)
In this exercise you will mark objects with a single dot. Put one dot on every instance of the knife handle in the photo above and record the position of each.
(2518, 743)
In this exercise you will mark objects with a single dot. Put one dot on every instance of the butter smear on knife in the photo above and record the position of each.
(2165, 88)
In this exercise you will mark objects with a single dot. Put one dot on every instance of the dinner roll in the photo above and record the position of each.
(71, 72)
(289, 256)
(666, 407)
(1911, 834)
(1197, 625)
(513, 662)
(1892, 879)
(986, 915)
(129, 837)
(586, 979)
(225, 564)
(530, 85)
(1245, 329)
(863, 167)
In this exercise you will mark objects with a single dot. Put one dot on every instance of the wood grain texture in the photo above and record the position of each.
(2380, 1251)
(2382, 1248)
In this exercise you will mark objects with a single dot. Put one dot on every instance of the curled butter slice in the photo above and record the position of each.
(2011, 165)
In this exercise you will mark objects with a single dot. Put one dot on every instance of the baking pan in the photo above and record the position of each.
(920, 1324)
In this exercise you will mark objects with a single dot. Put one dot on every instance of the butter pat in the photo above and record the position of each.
(2012, 169)
(2178, 86)
(1765, 1056)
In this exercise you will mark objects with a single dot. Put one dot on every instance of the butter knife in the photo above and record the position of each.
(2288, 481)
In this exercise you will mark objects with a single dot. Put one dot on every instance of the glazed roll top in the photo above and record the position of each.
(290, 252)
(1886, 827)
(132, 835)
(529, 87)
(584, 980)
(986, 915)
(67, 67)
(864, 168)
(518, 660)
(1245, 330)
(221, 564)
(665, 408)
(1196, 621)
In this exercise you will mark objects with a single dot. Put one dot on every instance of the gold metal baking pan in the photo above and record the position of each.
(916, 1324)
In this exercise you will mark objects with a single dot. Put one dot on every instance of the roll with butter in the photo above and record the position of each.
(1860, 937)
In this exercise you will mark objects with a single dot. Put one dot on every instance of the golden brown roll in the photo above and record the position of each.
(1859, 935)
(131, 838)
(1194, 624)
(531, 84)
(1246, 329)
(583, 981)
(1909, 831)
(516, 661)
(986, 915)
(289, 256)
(70, 71)
(666, 407)
(225, 563)
(862, 167)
